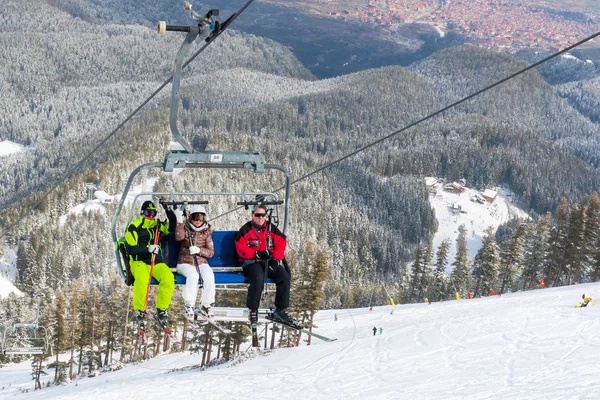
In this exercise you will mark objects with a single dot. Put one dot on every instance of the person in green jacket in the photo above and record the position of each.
(139, 239)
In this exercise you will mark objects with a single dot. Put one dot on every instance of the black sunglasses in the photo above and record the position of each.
(260, 215)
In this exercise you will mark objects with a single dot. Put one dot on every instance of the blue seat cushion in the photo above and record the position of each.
(225, 257)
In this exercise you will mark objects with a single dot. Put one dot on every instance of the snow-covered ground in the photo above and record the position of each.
(475, 216)
(8, 264)
(518, 346)
(6, 287)
(7, 147)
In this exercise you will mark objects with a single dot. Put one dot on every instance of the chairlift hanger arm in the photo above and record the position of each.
(207, 28)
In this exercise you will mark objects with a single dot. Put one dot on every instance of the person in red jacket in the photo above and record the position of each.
(259, 242)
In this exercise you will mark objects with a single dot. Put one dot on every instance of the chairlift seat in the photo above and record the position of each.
(224, 262)
(24, 350)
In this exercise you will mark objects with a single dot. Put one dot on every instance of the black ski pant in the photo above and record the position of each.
(255, 273)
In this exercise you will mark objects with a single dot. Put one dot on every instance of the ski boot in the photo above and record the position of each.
(207, 312)
(283, 316)
(190, 313)
(162, 315)
(140, 317)
(253, 317)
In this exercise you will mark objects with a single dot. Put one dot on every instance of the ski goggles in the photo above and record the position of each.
(197, 217)
(149, 213)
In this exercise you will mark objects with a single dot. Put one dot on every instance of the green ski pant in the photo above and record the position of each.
(166, 284)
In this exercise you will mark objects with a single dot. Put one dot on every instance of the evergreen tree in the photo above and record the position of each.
(318, 274)
(555, 264)
(536, 251)
(593, 236)
(59, 337)
(419, 277)
(440, 279)
(591, 246)
(512, 259)
(574, 244)
(460, 273)
(486, 263)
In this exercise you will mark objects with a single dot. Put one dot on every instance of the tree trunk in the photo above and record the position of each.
(123, 346)
(204, 350)
(92, 351)
(38, 372)
(80, 360)
(273, 336)
(108, 342)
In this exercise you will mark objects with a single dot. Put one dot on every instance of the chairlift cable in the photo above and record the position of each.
(58, 181)
(464, 99)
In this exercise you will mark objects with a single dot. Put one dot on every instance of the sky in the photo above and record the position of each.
(526, 345)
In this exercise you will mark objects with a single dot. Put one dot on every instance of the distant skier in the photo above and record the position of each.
(335, 317)
(392, 312)
(586, 300)
(380, 331)
(374, 330)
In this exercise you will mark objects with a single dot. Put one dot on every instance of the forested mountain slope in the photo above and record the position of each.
(368, 212)
(65, 82)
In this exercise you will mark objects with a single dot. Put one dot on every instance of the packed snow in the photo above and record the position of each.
(453, 209)
(520, 346)
(6, 287)
(8, 263)
(7, 147)
(90, 205)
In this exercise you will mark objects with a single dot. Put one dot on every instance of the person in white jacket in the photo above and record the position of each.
(195, 237)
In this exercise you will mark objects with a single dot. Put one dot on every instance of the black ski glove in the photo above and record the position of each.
(263, 255)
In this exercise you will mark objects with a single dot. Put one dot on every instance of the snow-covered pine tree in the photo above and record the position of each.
(555, 265)
(486, 263)
(440, 278)
(512, 259)
(418, 276)
(536, 251)
(460, 273)
(59, 337)
(574, 246)
(592, 247)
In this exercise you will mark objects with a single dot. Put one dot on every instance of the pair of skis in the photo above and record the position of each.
(164, 326)
(218, 326)
(299, 328)
(200, 316)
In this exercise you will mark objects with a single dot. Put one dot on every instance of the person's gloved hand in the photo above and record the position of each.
(194, 250)
(263, 255)
(178, 215)
(154, 249)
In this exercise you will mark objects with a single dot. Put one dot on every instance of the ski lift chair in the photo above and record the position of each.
(224, 262)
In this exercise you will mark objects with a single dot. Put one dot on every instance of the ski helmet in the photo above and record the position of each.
(197, 209)
(583, 296)
(148, 205)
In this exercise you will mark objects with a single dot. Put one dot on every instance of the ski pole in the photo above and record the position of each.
(156, 237)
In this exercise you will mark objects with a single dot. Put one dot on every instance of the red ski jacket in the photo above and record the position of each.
(252, 238)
